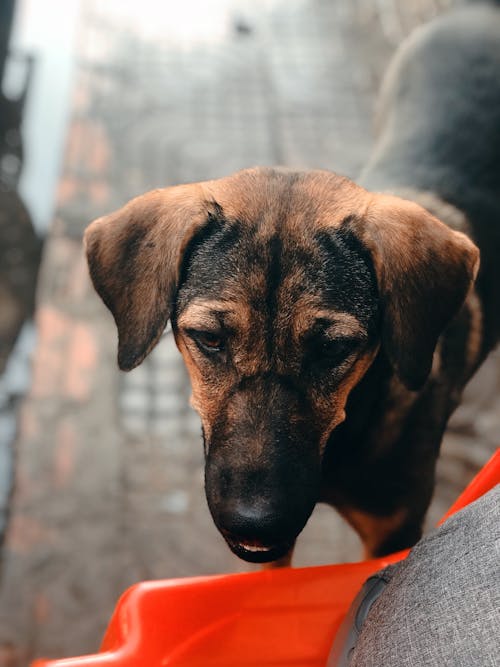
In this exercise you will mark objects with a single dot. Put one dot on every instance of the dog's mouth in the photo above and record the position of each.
(255, 551)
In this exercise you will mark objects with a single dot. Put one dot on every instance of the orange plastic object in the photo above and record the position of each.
(264, 619)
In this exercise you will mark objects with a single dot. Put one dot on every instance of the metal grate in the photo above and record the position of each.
(154, 396)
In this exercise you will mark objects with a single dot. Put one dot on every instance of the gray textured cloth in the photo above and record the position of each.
(441, 606)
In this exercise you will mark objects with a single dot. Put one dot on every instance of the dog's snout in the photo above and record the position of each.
(262, 471)
(260, 522)
(259, 531)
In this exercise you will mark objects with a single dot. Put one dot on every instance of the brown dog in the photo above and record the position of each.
(328, 330)
(294, 298)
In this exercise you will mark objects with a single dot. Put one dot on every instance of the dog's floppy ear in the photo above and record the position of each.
(424, 270)
(134, 258)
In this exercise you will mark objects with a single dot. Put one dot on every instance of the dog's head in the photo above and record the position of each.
(281, 288)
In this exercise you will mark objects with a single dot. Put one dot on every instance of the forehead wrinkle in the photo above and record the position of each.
(200, 310)
(236, 316)
(337, 323)
(344, 324)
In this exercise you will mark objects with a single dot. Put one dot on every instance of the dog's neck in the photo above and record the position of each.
(373, 408)
(387, 427)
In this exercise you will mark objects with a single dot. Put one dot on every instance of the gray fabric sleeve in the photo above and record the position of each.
(348, 633)
(441, 606)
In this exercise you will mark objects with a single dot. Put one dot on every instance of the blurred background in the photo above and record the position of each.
(101, 477)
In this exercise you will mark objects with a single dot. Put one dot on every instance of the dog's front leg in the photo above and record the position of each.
(382, 535)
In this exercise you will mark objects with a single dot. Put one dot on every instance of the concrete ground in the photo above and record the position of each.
(109, 482)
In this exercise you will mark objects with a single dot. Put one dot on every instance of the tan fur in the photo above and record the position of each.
(343, 324)
(252, 195)
(442, 210)
(475, 337)
(455, 220)
(330, 409)
(168, 219)
(396, 233)
(138, 282)
(250, 359)
(202, 314)
(373, 530)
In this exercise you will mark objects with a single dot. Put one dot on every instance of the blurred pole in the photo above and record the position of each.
(6, 16)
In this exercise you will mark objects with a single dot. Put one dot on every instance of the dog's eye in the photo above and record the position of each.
(208, 341)
(335, 351)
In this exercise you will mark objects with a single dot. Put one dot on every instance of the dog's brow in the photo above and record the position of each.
(337, 324)
(343, 324)
(205, 312)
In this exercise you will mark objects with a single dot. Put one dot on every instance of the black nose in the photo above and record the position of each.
(260, 521)
(257, 532)
(265, 520)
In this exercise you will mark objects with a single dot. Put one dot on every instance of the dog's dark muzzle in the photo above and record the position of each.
(260, 512)
(262, 471)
